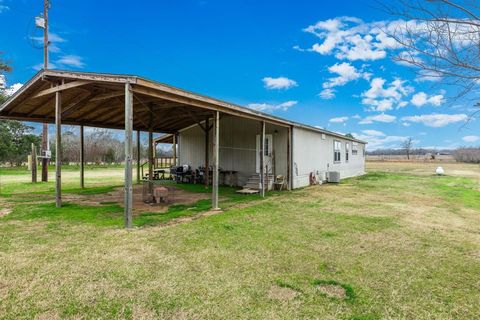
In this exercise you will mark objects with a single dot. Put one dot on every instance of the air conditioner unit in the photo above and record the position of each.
(334, 177)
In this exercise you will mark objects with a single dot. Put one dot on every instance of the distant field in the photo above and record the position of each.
(413, 158)
(397, 243)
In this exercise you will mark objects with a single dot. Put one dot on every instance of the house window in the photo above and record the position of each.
(354, 148)
(266, 147)
(337, 149)
(347, 150)
(323, 136)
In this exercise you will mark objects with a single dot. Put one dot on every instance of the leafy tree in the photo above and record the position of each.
(16, 141)
(3, 97)
(4, 65)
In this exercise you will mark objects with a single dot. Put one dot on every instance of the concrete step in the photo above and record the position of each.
(256, 178)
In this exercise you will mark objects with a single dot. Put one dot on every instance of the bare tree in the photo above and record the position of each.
(441, 38)
(465, 154)
(407, 146)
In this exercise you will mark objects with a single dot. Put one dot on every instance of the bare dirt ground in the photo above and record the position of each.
(176, 196)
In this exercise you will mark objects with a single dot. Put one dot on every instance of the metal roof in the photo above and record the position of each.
(96, 100)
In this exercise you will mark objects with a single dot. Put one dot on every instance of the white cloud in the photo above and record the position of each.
(39, 66)
(375, 133)
(3, 7)
(345, 73)
(352, 39)
(420, 99)
(71, 61)
(265, 107)
(327, 94)
(13, 88)
(379, 140)
(65, 60)
(279, 83)
(383, 98)
(357, 116)
(338, 120)
(52, 38)
(436, 120)
(382, 117)
(471, 139)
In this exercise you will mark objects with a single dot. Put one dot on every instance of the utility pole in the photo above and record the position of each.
(46, 6)
(45, 146)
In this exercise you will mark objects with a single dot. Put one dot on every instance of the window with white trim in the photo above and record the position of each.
(347, 150)
(337, 150)
(354, 148)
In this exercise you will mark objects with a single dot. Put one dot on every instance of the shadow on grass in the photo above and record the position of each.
(111, 214)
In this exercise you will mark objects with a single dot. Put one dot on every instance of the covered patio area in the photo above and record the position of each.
(132, 104)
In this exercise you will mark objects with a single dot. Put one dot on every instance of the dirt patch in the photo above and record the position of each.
(282, 293)
(5, 211)
(332, 290)
(176, 195)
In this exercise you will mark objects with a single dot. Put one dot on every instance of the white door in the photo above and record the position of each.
(268, 153)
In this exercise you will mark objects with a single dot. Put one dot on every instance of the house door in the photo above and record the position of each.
(268, 153)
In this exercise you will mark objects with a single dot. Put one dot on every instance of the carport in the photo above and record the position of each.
(124, 102)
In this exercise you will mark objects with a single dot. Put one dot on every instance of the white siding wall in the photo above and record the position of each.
(311, 153)
(237, 146)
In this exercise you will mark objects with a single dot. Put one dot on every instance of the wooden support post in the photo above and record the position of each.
(174, 147)
(262, 160)
(128, 155)
(289, 158)
(150, 161)
(58, 149)
(207, 165)
(34, 163)
(216, 141)
(45, 147)
(138, 157)
(155, 152)
(82, 157)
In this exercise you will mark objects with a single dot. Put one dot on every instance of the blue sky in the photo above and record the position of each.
(321, 63)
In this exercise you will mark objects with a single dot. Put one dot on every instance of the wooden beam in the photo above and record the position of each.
(128, 155)
(34, 163)
(106, 96)
(174, 147)
(61, 87)
(147, 107)
(138, 156)
(216, 147)
(150, 161)
(207, 171)
(262, 159)
(37, 108)
(76, 105)
(58, 149)
(82, 157)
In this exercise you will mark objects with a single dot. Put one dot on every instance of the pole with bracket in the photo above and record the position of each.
(128, 155)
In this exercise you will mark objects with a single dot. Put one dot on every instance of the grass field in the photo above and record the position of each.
(397, 243)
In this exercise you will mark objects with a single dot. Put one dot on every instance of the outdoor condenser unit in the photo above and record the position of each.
(334, 177)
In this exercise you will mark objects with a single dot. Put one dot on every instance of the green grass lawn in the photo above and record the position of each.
(397, 245)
